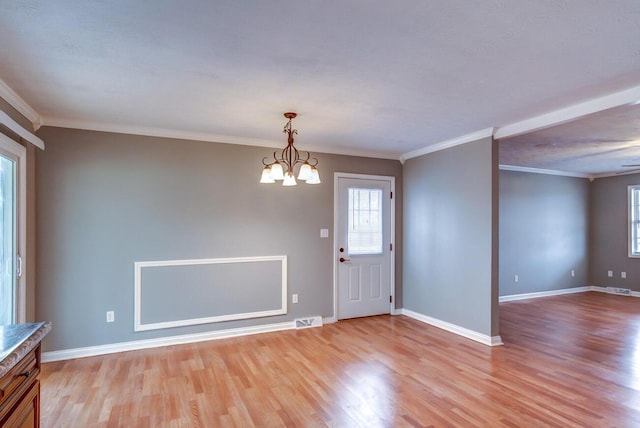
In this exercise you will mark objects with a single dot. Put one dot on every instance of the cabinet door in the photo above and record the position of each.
(25, 414)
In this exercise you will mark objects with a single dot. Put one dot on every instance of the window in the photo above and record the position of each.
(634, 221)
(365, 221)
(12, 230)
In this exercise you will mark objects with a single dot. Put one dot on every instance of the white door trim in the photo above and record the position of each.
(392, 238)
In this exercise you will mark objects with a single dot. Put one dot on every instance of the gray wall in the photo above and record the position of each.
(543, 232)
(609, 233)
(450, 249)
(107, 200)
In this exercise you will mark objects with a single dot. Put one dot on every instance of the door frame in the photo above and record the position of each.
(19, 154)
(392, 238)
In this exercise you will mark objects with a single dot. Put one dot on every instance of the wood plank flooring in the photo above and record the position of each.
(570, 360)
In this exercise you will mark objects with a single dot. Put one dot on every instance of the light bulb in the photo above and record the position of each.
(266, 176)
(315, 176)
(289, 179)
(277, 172)
(305, 172)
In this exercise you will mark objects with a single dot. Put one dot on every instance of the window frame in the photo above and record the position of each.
(18, 153)
(633, 216)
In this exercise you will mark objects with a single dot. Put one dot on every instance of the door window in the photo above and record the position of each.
(365, 221)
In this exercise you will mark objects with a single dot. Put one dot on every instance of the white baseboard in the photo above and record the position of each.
(452, 328)
(524, 296)
(605, 290)
(91, 351)
(328, 320)
(585, 289)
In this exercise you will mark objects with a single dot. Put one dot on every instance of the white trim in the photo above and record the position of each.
(20, 131)
(613, 174)
(567, 114)
(605, 290)
(210, 137)
(18, 153)
(329, 320)
(543, 171)
(586, 289)
(524, 296)
(15, 101)
(91, 351)
(631, 214)
(469, 138)
(392, 237)
(139, 326)
(453, 328)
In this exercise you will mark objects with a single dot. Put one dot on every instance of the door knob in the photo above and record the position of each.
(342, 260)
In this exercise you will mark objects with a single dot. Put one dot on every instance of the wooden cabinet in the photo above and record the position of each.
(20, 393)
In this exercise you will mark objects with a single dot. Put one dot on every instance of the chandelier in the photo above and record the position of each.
(283, 163)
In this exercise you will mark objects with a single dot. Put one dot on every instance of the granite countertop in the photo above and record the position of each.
(17, 340)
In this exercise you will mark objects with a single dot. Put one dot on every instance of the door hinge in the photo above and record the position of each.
(390, 247)
(391, 195)
(390, 299)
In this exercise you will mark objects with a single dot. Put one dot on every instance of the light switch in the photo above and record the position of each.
(324, 233)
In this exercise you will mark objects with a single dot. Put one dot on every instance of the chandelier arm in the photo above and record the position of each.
(280, 158)
(267, 163)
(302, 159)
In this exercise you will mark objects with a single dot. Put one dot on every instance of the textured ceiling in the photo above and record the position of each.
(599, 143)
(374, 77)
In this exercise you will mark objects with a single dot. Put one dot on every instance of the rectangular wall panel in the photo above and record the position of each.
(375, 281)
(355, 284)
(179, 293)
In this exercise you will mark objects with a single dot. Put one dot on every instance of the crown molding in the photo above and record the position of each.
(206, 137)
(15, 101)
(630, 96)
(614, 174)
(15, 127)
(468, 138)
(544, 171)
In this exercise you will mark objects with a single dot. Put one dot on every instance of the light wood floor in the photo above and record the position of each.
(570, 360)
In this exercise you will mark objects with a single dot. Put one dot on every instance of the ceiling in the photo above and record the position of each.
(600, 143)
(375, 78)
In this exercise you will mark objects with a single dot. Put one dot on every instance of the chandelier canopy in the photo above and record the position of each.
(281, 167)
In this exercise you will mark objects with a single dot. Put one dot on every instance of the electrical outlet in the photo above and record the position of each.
(111, 316)
(294, 298)
(610, 274)
(515, 278)
(623, 275)
(573, 272)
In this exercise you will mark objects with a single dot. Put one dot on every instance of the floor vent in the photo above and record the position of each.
(308, 322)
(620, 291)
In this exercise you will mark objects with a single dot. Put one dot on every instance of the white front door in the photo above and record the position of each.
(363, 245)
